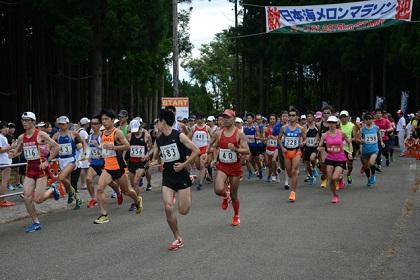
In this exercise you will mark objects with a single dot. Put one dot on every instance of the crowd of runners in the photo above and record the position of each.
(121, 154)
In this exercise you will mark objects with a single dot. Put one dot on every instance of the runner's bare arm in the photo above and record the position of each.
(54, 146)
(321, 142)
(215, 146)
(281, 136)
(195, 152)
(243, 145)
(303, 136)
(81, 143)
(124, 145)
(17, 150)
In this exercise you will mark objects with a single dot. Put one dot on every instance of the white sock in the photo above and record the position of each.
(286, 182)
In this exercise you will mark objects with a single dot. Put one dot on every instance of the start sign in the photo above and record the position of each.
(180, 103)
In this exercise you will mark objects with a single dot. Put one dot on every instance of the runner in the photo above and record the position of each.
(371, 135)
(179, 126)
(284, 119)
(114, 144)
(173, 147)
(200, 136)
(335, 160)
(83, 165)
(251, 133)
(260, 140)
(401, 132)
(230, 144)
(123, 121)
(386, 128)
(293, 137)
(138, 156)
(272, 142)
(213, 129)
(349, 129)
(69, 141)
(310, 150)
(323, 128)
(34, 143)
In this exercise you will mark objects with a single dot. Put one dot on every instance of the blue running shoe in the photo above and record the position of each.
(132, 207)
(312, 180)
(373, 179)
(141, 182)
(369, 182)
(70, 198)
(56, 193)
(315, 173)
(34, 227)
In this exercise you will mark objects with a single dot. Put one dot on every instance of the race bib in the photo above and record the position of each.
(251, 138)
(227, 156)
(371, 138)
(66, 149)
(137, 151)
(272, 142)
(334, 149)
(291, 142)
(95, 153)
(310, 141)
(30, 152)
(200, 138)
(108, 153)
(170, 153)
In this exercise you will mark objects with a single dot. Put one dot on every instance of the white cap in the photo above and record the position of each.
(134, 126)
(411, 115)
(139, 119)
(332, 119)
(29, 115)
(358, 120)
(345, 113)
(63, 120)
(84, 121)
(239, 120)
(116, 121)
(211, 118)
(303, 117)
(40, 124)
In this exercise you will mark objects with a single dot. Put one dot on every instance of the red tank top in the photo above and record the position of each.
(31, 149)
(226, 156)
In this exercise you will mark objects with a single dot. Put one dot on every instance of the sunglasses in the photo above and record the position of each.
(26, 120)
(331, 122)
(94, 123)
(292, 115)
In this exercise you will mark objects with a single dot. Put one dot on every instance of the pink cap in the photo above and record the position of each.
(318, 115)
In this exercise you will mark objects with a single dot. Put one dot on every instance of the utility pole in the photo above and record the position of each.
(175, 50)
(238, 97)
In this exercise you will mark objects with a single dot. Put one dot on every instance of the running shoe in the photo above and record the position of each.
(120, 198)
(286, 186)
(373, 179)
(341, 184)
(6, 203)
(369, 182)
(260, 174)
(315, 173)
(199, 186)
(148, 188)
(139, 205)
(102, 219)
(236, 221)
(92, 203)
(292, 196)
(55, 193)
(278, 171)
(79, 203)
(324, 183)
(378, 168)
(225, 202)
(335, 199)
(10, 188)
(349, 180)
(178, 243)
(70, 198)
(307, 179)
(273, 179)
(114, 195)
(132, 207)
(19, 186)
(387, 162)
(32, 228)
(312, 180)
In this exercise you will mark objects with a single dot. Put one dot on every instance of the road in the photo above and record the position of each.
(371, 234)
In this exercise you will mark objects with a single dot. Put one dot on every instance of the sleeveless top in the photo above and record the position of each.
(271, 143)
(67, 145)
(172, 150)
(138, 148)
(370, 137)
(95, 151)
(113, 159)
(292, 138)
(32, 149)
(227, 156)
(200, 137)
(335, 146)
(311, 134)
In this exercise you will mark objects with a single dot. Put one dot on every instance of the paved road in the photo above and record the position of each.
(371, 234)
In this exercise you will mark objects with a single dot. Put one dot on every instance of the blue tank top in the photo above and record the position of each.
(370, 138)
(67, 146)
(292, 138)
(250, 133)
(260, 130)
(95, 152)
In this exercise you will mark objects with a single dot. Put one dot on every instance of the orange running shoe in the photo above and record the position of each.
(292, 196)
(236, 221)
(91, 203)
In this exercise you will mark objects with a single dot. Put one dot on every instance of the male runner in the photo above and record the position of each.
(200, 137)
(173, 146)
(34, 144)
(230, 144)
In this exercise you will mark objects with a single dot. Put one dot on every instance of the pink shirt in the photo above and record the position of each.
(383, 124)
(335, 146)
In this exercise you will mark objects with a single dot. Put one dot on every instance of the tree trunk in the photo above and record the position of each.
(261, 83)
(372, 86)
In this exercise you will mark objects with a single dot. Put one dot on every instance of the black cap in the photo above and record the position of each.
(123, 113)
